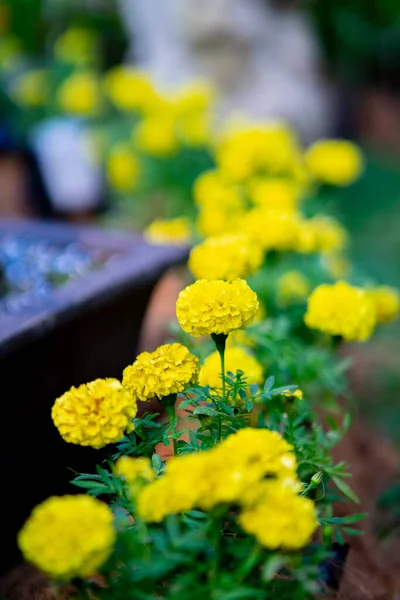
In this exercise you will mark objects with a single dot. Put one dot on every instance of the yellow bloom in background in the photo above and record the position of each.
(123, 168)
(169, 232)
(335, 162)
(156, 135)
(235, 358)
(228, 472)
(167, 370)
(320, 234)
(341, 310)
(76, 46)
(219, 220)
(95, 414)
(282, 520)
(195, 130)
(337, 265)
(132, 469)
(31, 88)
(241, 337)
(226, 256)
(219, 307)
(80, 94)
(195, 97)
(275, 193)
(271, 229)
(68, 536)
(131, 90)
(210, 189)
(293, 394)
(386, 301)
(293, 287)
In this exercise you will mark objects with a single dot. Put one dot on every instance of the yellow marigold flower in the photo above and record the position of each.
(169, 231)
(238, 256)
(157, 136)
(193, 98)
(95, 414)
(282, 520)
(386, 301)
(31, 88)
(219, 307)
(68, 536)
(223, 474)
(167, 370)
(130, 89)
(210, 190)
(195, 130)
(341, 310)
(123, 168)
(337, 266)
(219, 220)
(235, 358)
(335, 162)
(76, 46)
(275, 193)
(132, 469)
(320, 234)
(293, 394)
(292, 287)
(80, 94)
(272, 229)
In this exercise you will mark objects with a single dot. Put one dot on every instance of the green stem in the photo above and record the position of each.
(249, 563)
(170, 410)
(220, 343)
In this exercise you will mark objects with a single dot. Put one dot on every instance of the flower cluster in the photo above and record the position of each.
(216, 307)
(167, 370)
(169, 232)
(95, 414)
(68, 536)
(225, 257)
(234, 472)
(341, 310)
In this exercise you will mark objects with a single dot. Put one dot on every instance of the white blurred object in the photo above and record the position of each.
(264, 62)
(72, 179)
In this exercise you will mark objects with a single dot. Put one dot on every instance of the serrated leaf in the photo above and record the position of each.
(345, 489)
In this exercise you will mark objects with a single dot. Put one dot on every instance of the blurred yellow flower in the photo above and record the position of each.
(335, 162)
(132, 469)
(156, 135)
(274, 193)
(337, 265)
(218, 307)
(123, 168)
(341, 310)
(68, 536)
(218, 220)
(95, 414)
(167, 370)
(76, 46)
(130, 89)
(238, 256)
(293, 287)
(293, 394)
(320, 234)
(195, 97)
(386, 301)
(272, 229)
(80, 94)
(31, 88)
(235, 358)
(282, 519)
(169, 232)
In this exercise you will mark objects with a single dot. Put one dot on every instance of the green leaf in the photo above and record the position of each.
(205, 410)
(157, 463)
(345, 489)
(272, 566)
(347, 520)
(352, 531)
(269, 383)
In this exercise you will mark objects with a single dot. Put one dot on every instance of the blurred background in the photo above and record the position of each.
(76, 146)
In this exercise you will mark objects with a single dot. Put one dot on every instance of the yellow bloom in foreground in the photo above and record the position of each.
(130, 89)
(156, 135)
(31, 88)
(95, 414)
(169, 231)
(225, 257)
(386, 301)
(167, 370)
(282, 519)
(272, 229)
(132, 469)
(274, 193)
(226, 473)
(335, 162)
(68, 536)
(80, 94)
(123, 168)
(341, 310)
(207, 307)
(235, 358)
(292, 287)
